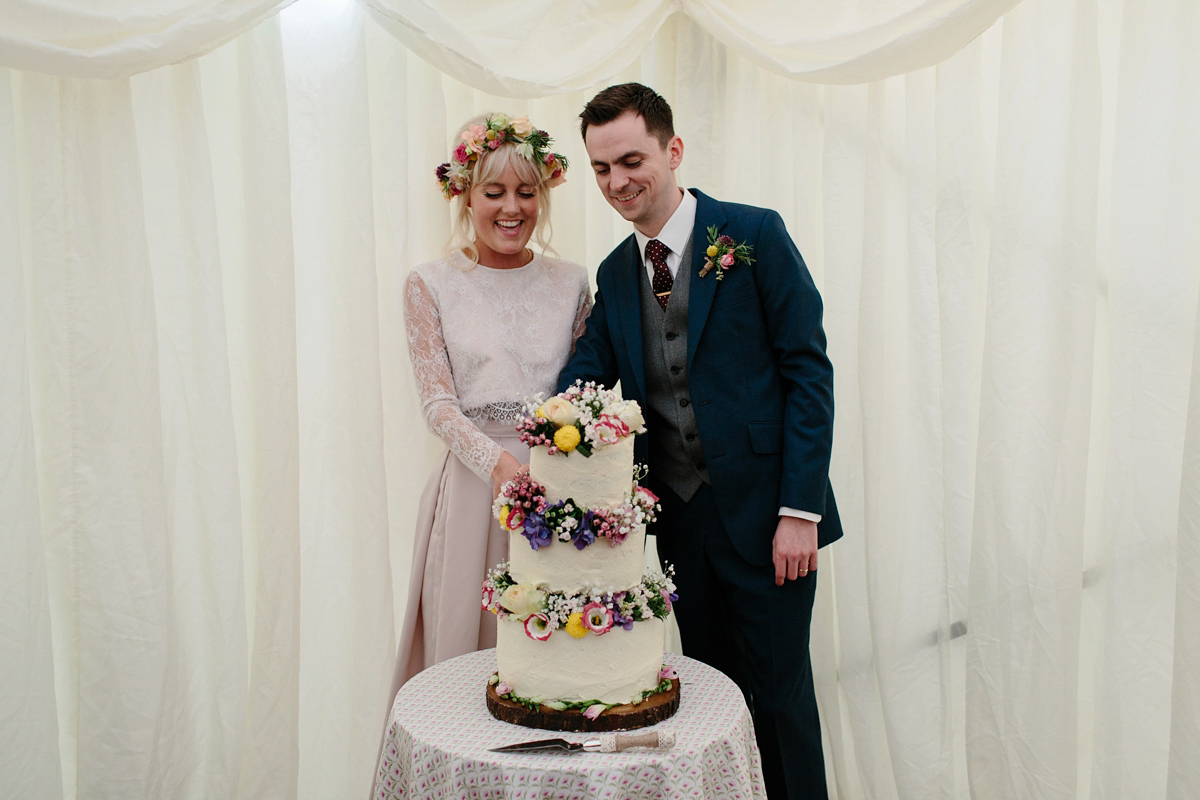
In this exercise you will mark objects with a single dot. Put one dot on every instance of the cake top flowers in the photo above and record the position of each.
(584, 418)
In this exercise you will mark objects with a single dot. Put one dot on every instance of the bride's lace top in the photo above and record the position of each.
(481, 340)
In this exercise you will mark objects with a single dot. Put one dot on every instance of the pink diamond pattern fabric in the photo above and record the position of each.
(440, 731)
(661, 281)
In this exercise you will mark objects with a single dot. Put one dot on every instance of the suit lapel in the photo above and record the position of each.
(629, 310)
(700, 296)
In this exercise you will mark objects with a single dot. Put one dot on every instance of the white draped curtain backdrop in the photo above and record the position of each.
(211, 447)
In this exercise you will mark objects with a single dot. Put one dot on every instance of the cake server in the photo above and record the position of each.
(605, 743)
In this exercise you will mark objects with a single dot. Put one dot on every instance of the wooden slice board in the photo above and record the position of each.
(653, 709)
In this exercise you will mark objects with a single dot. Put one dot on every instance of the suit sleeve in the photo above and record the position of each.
(793, 310)
(593, 358)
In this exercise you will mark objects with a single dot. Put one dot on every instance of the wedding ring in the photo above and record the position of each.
(803, 572)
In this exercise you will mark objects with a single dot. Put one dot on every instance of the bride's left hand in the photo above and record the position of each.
(505, 469)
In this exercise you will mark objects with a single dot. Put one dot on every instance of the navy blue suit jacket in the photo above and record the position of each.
(760, 382)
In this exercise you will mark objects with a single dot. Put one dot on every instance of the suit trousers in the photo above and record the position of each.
(733, 617)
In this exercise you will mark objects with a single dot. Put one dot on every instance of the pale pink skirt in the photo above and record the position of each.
(457, 542)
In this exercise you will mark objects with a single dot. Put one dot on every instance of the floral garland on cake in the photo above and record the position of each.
(581, 612)
(590, 708)
(522, 507)
(583, 419)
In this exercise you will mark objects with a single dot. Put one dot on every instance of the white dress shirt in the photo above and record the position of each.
(675, 235)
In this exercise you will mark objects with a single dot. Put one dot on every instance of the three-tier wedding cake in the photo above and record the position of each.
(581, 626)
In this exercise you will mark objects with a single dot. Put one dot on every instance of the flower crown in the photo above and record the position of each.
(532, 144)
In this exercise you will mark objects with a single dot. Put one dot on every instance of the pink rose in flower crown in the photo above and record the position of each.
(556, 174)
(727, 260)
(474, 137)
(460, 154)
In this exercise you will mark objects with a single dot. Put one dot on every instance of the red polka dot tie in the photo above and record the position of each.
(662, 280)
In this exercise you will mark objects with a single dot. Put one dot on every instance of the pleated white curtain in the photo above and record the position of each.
(119, 38)
(211, 448)
(491, 46)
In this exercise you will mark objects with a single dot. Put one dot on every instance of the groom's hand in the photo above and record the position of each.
(794, 550)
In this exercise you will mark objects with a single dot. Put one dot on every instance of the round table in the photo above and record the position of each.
(439, 732)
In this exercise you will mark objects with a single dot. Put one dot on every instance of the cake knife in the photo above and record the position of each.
(606, 743)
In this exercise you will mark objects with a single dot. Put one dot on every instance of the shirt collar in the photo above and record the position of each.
(678, 230)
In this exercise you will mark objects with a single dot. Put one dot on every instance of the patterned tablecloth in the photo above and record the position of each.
(440, 731)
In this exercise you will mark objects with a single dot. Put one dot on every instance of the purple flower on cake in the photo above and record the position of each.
(503, 688)
(667, 673)
(537, 627)
(597, 618)
(583, 535)
(594, 711)
(536, 530)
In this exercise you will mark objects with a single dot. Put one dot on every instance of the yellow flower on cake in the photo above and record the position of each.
(566, 438)
(575, 625)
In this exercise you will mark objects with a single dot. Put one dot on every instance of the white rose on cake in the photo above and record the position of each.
(559, 411)
(522, 600)
(629, 412)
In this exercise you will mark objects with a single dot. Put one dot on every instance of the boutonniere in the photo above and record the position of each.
(723, 253)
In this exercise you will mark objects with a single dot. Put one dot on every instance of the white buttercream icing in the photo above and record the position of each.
(616, 667)
(596, 481)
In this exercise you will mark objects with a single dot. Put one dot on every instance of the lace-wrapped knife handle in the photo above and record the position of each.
(616, 742)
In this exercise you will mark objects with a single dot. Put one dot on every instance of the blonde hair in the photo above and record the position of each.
(488, 168)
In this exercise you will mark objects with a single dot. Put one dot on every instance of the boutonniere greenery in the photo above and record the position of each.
(723, 253)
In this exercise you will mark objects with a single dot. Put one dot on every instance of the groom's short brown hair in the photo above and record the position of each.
(642, 100)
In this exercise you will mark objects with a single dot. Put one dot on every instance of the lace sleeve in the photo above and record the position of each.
(581, 315)
(435, 383)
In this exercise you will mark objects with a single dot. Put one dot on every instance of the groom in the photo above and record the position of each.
(728, 361)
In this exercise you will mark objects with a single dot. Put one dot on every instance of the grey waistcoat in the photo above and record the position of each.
(676, 457)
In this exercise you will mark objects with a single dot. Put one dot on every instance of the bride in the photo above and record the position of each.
(488, 325)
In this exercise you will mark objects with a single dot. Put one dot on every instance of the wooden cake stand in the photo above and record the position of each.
(653, 709)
